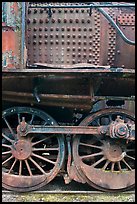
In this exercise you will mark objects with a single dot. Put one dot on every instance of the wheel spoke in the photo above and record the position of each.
(119, 166)
(130, 150)
(19, 121)
(8, 152)
(112, 166)
(43, 158)
(32, 118)
(91, 155)
(44, 139)
(7, 138)
(28, 167)
(5, 145)
(45, 149)
(12, 166)
(8, 126)
(37, 165)
(106, 164)
(20, 167)
(7, 160)
(127, 164)
(98, 162)
(90, 145)
(130, 157)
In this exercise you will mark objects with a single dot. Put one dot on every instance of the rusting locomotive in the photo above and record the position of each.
(68, 94)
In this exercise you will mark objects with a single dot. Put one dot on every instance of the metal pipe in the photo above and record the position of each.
(82, 6)
(116, 27)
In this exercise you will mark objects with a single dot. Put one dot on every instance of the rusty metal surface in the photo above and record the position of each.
(29, 163)
(72, 36)
(11, 35)
(71, 62)
(107, 164)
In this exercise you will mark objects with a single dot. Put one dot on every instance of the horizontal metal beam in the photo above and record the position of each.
(44, 69)
(63, 130)
(105, 5)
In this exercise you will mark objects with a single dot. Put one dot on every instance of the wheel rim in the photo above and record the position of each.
(107, 164)
(33, 161)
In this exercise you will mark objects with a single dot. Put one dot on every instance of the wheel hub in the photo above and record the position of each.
(22, 149)
(113, 153)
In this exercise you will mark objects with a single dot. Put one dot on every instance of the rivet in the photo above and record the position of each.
(73, 54)
(59, 20)
(88, 21)
(28, 21)
(34, 20)
(79, 29)
(79, 48)
(62, 29)
(41, 21)
(41, 10)
(29, 11)
(71, 21)
(79, 36)
(46, 21)
(35, 29)
(53, 20)
(34, 36)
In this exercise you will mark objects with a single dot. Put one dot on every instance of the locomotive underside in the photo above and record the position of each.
(70, 110)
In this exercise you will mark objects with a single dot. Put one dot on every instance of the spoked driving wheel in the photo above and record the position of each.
(34, 160)
(107, 164)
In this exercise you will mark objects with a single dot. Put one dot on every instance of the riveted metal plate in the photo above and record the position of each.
(69, 36)
(126, 19)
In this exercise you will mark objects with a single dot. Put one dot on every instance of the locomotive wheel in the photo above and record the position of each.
(34, 160)
(106, 164)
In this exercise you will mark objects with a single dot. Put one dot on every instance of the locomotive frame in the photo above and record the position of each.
(51, 129)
